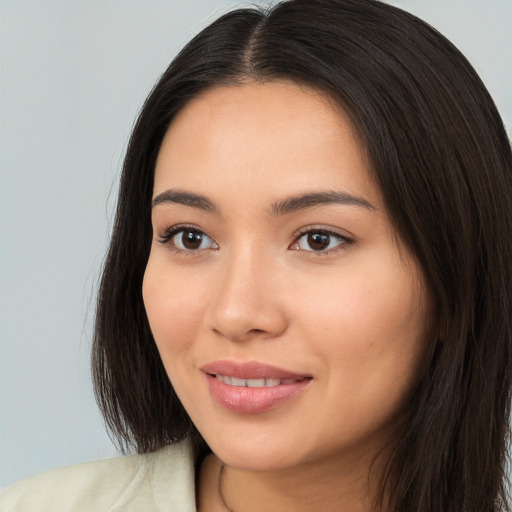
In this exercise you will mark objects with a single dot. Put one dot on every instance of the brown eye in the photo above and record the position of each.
(189, 240)
(320, 241)
(182, 239)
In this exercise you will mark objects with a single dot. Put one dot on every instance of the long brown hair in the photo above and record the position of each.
(441, 158)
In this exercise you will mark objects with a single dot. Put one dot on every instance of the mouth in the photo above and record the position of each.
(254, 383)
(252, 387)
(254, 373)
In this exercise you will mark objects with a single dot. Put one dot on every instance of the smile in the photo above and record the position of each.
(254, 383)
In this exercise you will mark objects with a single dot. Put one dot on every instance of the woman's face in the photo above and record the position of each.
(290, 320)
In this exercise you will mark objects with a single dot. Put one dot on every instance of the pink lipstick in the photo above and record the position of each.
(252, 387)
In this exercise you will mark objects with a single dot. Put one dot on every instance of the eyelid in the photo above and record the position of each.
(347, 238)
(165, 237)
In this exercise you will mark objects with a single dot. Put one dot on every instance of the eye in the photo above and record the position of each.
(320, 241)
(184, 239)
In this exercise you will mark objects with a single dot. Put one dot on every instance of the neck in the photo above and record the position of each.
(327, 486)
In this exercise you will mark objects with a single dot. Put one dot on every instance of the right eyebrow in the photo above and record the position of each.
(187, 198)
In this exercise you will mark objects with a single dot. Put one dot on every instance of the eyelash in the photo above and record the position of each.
(309, 230)
(166, 237)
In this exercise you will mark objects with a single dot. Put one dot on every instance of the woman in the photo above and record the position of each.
(306, 304)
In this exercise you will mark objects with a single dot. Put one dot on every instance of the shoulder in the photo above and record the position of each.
(156, 481)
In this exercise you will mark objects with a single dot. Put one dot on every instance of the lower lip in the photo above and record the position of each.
(253, 400)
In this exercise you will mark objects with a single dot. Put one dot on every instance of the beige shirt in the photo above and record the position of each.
(156, 482)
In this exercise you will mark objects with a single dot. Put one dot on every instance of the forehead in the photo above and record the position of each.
(278, 134)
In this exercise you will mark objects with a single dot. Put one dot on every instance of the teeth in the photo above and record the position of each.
(253, 383)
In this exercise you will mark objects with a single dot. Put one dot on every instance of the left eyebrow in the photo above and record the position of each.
(312, 199)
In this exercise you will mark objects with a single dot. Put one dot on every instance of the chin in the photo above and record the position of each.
(257, 452)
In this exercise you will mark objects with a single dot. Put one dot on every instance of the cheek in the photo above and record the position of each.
(370, 329)
(173, 308)
(365, 305)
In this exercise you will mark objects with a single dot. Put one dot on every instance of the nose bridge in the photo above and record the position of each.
(246, 302)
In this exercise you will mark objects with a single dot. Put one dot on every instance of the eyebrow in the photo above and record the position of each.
(187, 198)
(288, 205)
(304, 201)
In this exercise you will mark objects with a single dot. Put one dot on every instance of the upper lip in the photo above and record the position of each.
(250, 370)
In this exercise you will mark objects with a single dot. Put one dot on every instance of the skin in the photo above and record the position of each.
(353, 317)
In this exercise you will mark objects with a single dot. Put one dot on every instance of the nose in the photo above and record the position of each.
(247, 302)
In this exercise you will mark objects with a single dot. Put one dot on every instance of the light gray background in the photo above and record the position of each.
(73, 76)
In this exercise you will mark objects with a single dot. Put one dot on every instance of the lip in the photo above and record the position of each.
(252, 400)
(250, 370)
